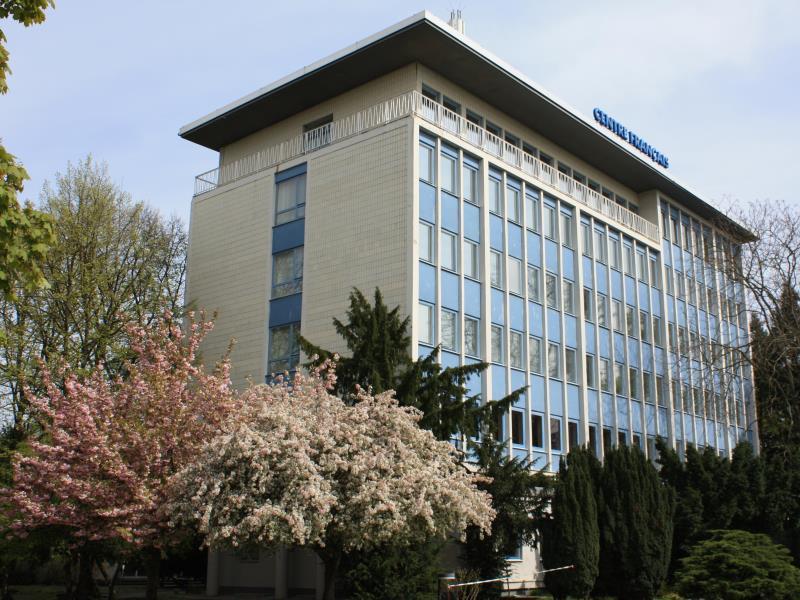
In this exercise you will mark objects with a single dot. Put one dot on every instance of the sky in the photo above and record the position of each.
(714, 85)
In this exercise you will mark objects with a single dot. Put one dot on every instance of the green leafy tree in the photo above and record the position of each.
(635, 520)
(25, 233)
(520, 495)
(571, 535)
(737, 565)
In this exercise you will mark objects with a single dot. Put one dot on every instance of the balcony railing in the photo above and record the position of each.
(443, 118)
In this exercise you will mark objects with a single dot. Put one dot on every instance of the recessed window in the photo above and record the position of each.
(644, 326)
(647, 386)
(517, 427)
(532, 210)
(605, 375)
(287, 273)
(590, 371)
(565, 169)
(630, 321)
(449, 166)
(470, 184)
(616, 314)
(449, 330)
(426, 164)
(566, 229)
(472, 266)
(534, 284)
(426, 247)
(555, 434)
(586, 238)
(551, 289)
(284, 351)
(474, 118)
(496, 268)
(290, 204)
(425, 318)
(515, 350)
(512, 139)
(537, 431)
(571, 365)
(449, 248)
(602, 310)
(430, 93)
(600, 246)
(495, 196)
(497, 345)
(554, 361)
(633, 382)
(614, 253)
(513, 205)
(515, 276)
(568, 296)
(619, 380)
(471, 337)
(535, 359)
(451, 104)
(494, 129)
(588, 304)
(572, 434)
(629, 265)
(546, 158)
(550, 223)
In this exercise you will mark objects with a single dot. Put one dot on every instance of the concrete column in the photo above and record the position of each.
(281, 572)
(319, 580)
(212, 573)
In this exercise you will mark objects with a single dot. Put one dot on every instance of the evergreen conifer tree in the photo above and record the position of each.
(571, 535)
(635, 517)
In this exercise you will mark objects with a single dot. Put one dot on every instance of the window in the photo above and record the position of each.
(430, 93)
(426, 249)
(630, 267)
(551, 289)
(449, 330)
(633, 382)
(451, 104)
(553, 361)
(587, 305)
(449, 250)
(641, 266)
(449, 167)
(622, 437)
(660, 399)
(291, 199)
(497, 344)
(619, 382)
(284, 351)
(515, 350)
(657, 331)
(555, 434)
(495, 196)
(472, 267)
(615, 253)
(593, 440)
(546, 158)
(568, 293)
(287, 273)
(600, 246)
(607, 438)
(471, 337)
(602, 310)
(586, 238)
(425, 318)
(426, 164)
(494, 129)
(616, 314)
(474, 118)
(512, 202)
(496, 268)
(550, 223)
(564, 168)
(517, 427)
(515, 284)
(644, 326)
(630, 322)
(566, 229)
(470, 183)
(654, 278)
(590, 371)
(532, 211)
(673, 340)
(647, 386)
(605, 375)
(537, 431)
(572, 434)
(534, 287)
(571, 365)
(535, 358)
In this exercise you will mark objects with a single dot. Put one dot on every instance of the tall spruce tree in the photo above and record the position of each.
(380, 358)
(571, 535)
(635, 517)
(520, 495)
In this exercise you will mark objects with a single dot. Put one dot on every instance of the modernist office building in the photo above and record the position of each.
(513, 230)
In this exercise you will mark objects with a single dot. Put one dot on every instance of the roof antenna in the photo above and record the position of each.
(456, 22)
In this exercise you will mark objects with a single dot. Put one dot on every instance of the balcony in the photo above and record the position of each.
(414, 103)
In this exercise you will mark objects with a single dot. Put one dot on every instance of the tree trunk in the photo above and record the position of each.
(152, 565)
(86, 589)
(331, 560)
(112, 584)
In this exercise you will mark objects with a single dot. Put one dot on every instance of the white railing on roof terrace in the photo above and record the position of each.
(438, 115)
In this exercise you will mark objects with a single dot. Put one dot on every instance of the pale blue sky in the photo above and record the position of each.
(715, 85)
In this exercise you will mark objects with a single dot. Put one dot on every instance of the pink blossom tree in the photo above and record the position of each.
(99, 471)
(299, 467)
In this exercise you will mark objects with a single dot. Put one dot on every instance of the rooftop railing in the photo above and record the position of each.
(443, 118)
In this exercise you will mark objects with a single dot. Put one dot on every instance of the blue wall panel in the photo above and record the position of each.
(427, 202)
(427, 283)
(289, 235)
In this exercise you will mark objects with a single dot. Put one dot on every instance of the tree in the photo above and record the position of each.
(737, 565)
(380, 359)
(25, 233)
(300, 467)
(113, 261)
(519, 498)
(110, 444)
(635, 520)
(571, 535)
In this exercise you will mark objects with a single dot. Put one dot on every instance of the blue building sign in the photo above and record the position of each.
(629, 136)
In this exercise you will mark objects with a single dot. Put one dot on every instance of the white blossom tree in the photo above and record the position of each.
(299, 467)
